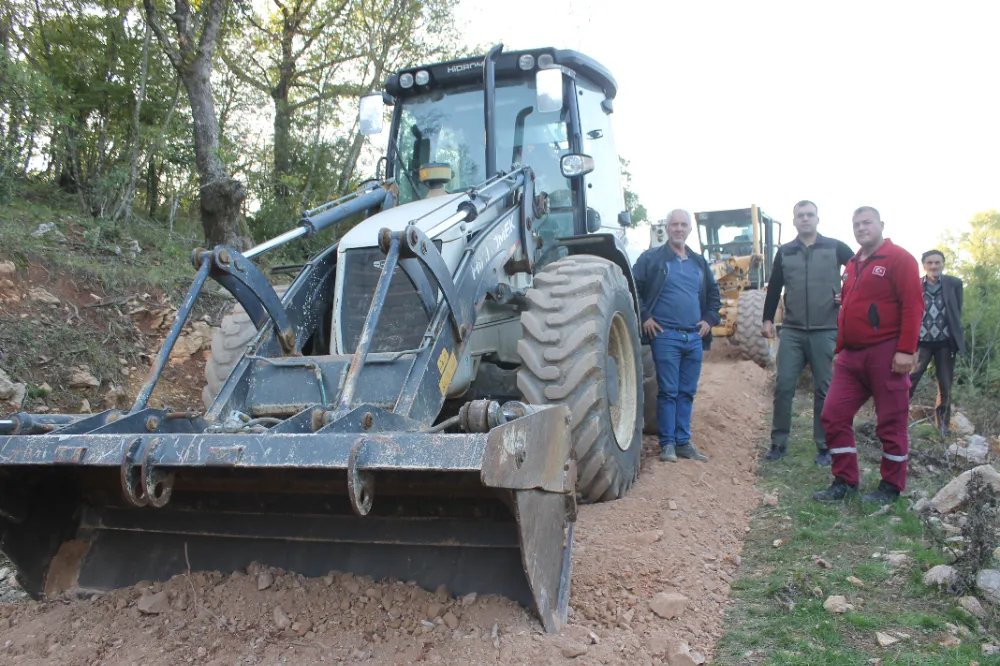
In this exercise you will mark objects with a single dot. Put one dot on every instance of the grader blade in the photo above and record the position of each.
(488, 512)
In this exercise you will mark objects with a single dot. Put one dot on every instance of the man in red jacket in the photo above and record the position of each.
(878, 328)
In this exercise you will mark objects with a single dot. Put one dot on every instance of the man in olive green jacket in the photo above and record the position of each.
(808, 269)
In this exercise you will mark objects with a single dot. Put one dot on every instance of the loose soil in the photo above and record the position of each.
(680, 531)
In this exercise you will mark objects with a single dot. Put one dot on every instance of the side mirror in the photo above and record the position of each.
(549, 90)
(593, 221)
(370, 114)
(625, 218)
(575, 165)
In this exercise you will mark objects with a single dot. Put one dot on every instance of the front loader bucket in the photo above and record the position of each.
(101, 504)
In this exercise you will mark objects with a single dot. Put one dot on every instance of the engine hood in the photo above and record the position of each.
(365, 234)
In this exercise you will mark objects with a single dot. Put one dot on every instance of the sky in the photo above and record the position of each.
(726, 104)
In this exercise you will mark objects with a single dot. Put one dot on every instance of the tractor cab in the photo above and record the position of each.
(548, 109)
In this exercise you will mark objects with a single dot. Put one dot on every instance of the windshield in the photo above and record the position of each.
(448, 127)
(726, 239)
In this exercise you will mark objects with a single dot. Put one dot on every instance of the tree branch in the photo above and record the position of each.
(161, 35)
(333, 93)
(242, 74)
(213, 20)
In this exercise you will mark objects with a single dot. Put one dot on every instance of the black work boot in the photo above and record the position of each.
(823, 458)
(777, 452)
(667, 453)
(688, 451)
(884, 494)
(837, 491)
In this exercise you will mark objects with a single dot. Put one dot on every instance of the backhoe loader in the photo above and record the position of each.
(428, 399)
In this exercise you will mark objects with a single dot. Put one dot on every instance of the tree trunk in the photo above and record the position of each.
(282, 141)
(221, 195)
(152, 188)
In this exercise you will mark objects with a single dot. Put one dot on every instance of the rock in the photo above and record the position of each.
(973, 606)
(855, 581)
(837, 604)
(302, 627)
(961, 425)
(7, 268)
(572, 649)
(451, 620)
(989, 649)
(683, 655)
(954, 495)
(921, 505)
(896, 559)
(42, 296)
(6, 386)
(976, 450)
(43, 228)
(940, 575)
(885, 640)
(469, 599)
(349, 584)
(668, 605)
(80, 377)
(442, 594)
(154, 604)
(771, 499)
(20, 390)
(434, 610)
(988, 582)
(264, 580)
(646, 538)
(672, 505)
(281, 620)
(85, 406)
(189, 344)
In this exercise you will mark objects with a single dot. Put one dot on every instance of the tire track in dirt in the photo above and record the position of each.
(680, 531)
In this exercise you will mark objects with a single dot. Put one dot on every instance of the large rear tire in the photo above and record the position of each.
(749, 318)
(580, 347)
(229, 341)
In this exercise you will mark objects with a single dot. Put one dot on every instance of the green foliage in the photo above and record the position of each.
(974, 255)
(636, 210)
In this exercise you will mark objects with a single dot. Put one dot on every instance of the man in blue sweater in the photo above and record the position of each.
(679, 303)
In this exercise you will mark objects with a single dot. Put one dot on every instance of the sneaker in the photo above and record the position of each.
(667, 453)
(884, 494)
(777, 452)
(823, 458)
(837, 491)
(688, 451)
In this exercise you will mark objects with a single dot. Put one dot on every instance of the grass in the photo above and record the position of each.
(779, 617)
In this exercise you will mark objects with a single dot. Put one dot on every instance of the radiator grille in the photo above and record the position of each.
(403, 321)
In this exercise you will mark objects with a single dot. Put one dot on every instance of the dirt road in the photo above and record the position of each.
(679, 532)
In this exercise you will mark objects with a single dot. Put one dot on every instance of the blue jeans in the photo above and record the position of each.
(677, 356)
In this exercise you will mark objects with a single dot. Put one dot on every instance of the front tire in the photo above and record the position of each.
(229, 341)
(749, 318)
(580, 347)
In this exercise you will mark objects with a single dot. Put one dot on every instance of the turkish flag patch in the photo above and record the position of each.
(879, 270)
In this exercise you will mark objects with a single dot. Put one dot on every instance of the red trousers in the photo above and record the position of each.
(858, 375)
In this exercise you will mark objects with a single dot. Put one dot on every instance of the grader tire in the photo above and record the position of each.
(749, 318)
(649, 390)
(580, 347)
(229, 341)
